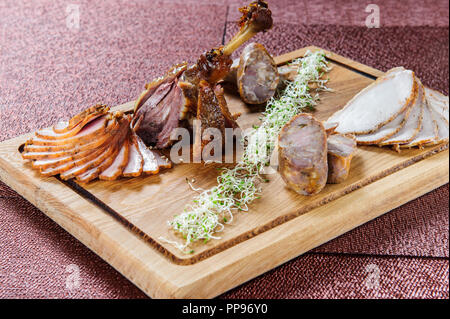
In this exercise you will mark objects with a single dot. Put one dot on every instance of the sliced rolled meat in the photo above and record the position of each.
(412, 125)
(428, 132)
(257, 75)
(384, 132)
(442, 126)
(394, 117)
(378, 104)
(341, 149)
(439, 102)
(302, 154)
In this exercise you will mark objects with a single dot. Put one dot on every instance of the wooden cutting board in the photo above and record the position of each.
(123, 221)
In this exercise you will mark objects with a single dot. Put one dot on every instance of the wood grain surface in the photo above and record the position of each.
(122, 221)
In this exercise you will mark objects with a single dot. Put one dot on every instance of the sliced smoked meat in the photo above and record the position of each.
(58, 161)
(50, 170)
(135, 159)
(150, 165)
(385, 131)
(109, 151)
(33, 151)
(378, 104)
(395, 126)
(442, 126)
(50, 134)
(439, 102)
(92, 130)
(95, 171)
(414, 123)
(84, 116)
(257, 75)
(120, 162)
(428, 132)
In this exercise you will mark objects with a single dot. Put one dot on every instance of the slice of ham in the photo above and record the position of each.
(118, 143)
(84, 116)
(135, 160)
(51, 162)
(109, 152)
(378, 104)
(118, 165)
(95, 157)
(50, 170)
(54, 157)
(78, 157)
(150, 165)
(92, 130)
(43, 151)
(96, 170)
(32, 151)
(413, 125)
(54, 162)
(50, 134)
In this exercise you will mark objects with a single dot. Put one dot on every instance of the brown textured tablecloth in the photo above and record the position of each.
(50, 71)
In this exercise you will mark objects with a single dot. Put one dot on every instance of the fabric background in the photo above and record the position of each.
(48, 72)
